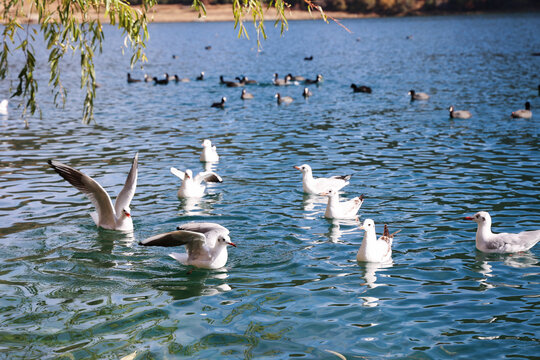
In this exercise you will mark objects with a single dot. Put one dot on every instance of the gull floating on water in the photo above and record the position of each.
(107, 216)
(317, 186)
(373, 249)
(489, 242)
(206, 244)
(191, 186)
(209, 153)
(341, 210)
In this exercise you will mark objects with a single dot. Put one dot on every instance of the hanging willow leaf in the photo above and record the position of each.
(73, 26)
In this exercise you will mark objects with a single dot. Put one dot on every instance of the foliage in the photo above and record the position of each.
(75, 26)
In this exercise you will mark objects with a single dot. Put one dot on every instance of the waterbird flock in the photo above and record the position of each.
(290, 79)
(206, 243)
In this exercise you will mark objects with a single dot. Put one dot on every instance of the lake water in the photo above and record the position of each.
(292, 288)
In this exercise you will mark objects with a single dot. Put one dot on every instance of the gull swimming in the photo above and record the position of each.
(373, 249)
(341, 210)
(107, 216)
(489, 242)
(209, 153)
(206, 244)
(191, 186)
(317, 186)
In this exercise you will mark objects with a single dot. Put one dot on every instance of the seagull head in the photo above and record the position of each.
(481, 218)
(303, 168)
(188, 174)
(329, 193)
(206, 143)
(127, 211)
(368, 225)
(225, 240)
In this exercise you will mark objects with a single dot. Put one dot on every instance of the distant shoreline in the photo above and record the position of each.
(169, 13)
(216, 13)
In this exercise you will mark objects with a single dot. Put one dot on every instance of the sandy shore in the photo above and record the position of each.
(182, 13)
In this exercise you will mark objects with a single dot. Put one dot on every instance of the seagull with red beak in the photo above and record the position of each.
(206, 244)
(489, 242)
(107, 216)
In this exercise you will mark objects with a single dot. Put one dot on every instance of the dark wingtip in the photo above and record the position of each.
(362, 197)
(50, 162)
(386, 232)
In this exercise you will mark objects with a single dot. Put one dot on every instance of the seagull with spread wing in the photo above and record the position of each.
(206, 244)
(107, 216)
(191, 186)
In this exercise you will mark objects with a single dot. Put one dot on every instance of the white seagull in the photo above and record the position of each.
(209, 153)
(341, 210)
(107, 216)
(373, 249)
(4, 107)
(317, 186)
(489, 242)
(206, 244)
(191, 186)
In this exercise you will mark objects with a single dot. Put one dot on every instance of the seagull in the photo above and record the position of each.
(317, 186)
(523, 114)
(418, 96)
(4, 107)
(191, 186)
(341, 210)
(206, 244)
(373, 249)
(209, 153)
(489, 242)
(459, 114)
(107, 216)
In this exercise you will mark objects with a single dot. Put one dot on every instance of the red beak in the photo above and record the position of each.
(296, 167)
(232, 244)
(468, 218)
(127, 214)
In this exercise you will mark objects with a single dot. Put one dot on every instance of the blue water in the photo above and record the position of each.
(292, 288)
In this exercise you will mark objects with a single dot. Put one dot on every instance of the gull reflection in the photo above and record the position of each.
(199, 282)
(210, 166)
(335, 232)
(371, 271)
(310, 202)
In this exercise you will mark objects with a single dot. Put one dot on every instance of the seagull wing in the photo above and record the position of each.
(128, 191)
(195, 242)
(203, 227)
(97, 195)
(178, 173)
(208, 176)
(175, 238)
